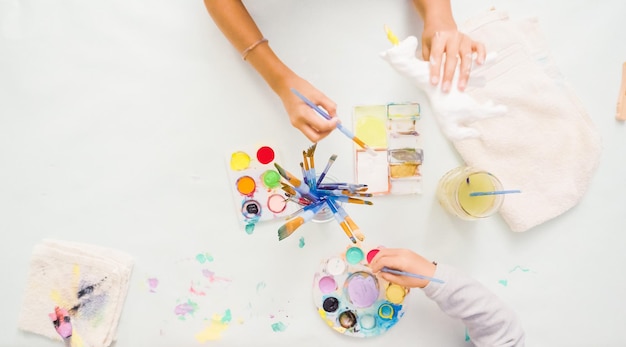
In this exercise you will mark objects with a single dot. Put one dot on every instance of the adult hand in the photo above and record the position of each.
(303, 117)
(403, 260)
(444, 47)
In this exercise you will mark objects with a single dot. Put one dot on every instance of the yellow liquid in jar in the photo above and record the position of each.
(477, 205)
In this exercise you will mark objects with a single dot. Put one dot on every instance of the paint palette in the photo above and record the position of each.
(394, 132)
(352, 300)
(256, 186)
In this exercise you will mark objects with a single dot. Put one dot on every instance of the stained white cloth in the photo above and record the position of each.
(545, 144)
(489, 320)
(91, 282)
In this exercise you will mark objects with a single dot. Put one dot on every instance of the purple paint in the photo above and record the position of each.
(362, 289)
(327, 284)
(186, 308)
(153, 283)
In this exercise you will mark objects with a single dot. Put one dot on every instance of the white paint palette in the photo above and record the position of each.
(351, 299)
(394, 132)
(256, 186)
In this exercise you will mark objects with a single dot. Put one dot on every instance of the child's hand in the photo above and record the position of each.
(303, 117)
(403, 260)
(456, 46)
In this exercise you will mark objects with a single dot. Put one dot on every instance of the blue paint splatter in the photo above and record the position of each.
(249, 228)
(301, 244)
(279, 327)
(227, 316)
(517, 267)
(467, 337)
(504, 282)
(204, 257)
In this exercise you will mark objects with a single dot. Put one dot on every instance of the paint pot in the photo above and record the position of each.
(335, 266)
(395, 293)
(239, 161)
(246, 185)
(385, 311)
(361, 289)
(271, 179)
(276, 203)
(331, 304)
(251, 209)
(367, 321)
(325, 214)
(354, 255)
(265, 155)
(327, 284)
(371, 254)
(347, 319)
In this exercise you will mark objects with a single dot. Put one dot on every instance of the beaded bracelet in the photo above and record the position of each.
(247, 51)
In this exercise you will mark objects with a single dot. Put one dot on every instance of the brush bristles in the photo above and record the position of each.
(288, 228)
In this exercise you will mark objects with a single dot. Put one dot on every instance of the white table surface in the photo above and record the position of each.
(116, 118)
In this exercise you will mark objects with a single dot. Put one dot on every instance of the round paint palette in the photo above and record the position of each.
(354, 301)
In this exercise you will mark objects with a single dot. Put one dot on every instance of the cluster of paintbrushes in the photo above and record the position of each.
(313, 194)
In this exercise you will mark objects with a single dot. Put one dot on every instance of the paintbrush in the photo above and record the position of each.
(331, 160)
(410, 274)
(352, 200)
(340, 192)
(310, 153)
(356, 231)
(303, 189)
(307, 213)
(340, 126)
(342, 222)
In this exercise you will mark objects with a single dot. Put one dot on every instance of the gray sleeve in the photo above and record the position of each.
(489, 321)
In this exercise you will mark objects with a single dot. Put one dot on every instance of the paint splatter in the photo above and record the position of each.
(260, 286)
(204, 257)
(467, 337)
(195, 291)
(301, 244)
(504, 282)
(249, 228)
(152, 284)
(517, 267)
(279, 327)
(185, 309)
(212, 278)
(216, 327)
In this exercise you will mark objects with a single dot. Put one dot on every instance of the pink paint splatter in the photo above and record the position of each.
(212, 278)
(195, 291)
(153, 283)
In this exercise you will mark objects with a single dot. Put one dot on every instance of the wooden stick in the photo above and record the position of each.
(621, 99)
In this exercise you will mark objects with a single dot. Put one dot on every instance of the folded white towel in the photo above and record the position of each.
(90, 282)
(545, 145)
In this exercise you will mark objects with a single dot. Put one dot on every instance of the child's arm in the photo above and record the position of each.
(488, 320)
(233, 19)
(441, 36)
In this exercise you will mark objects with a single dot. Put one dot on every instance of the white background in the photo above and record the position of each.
(116, 118)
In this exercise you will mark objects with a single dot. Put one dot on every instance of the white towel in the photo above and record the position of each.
(90, 282)
(545, 144)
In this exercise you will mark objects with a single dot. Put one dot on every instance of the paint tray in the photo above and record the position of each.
(256, 185)
(393, 131)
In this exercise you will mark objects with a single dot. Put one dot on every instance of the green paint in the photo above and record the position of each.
(227, 316)
(249, 228)
(204, 257)
(354, 255)
(467, 338)
(278, 327)
(260, 286)
(301, 244)
(517, 267)
(504, 282)
(271, 179)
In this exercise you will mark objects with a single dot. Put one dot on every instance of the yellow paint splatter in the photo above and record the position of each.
(325, 318)
(213, 331)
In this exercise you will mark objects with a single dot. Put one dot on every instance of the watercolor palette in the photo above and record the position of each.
(354, 301)
(256, 186)
(394, 132)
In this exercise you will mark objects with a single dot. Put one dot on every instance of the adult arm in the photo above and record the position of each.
(238, 26)
(443, 45)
